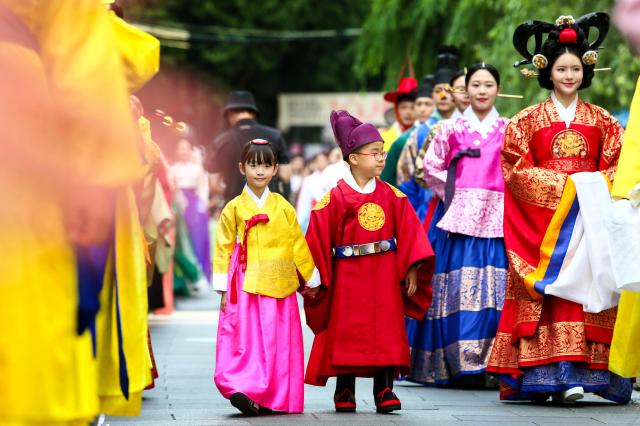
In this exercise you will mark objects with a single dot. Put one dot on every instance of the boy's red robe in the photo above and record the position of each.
(358, 316)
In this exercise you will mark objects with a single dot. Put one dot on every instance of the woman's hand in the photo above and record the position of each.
(411, 281)
(164, 227)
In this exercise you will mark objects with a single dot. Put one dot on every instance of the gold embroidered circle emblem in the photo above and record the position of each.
(323, 202)
(371, 216)
(569, 144)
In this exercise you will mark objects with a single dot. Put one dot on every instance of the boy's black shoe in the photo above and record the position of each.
(387, 401)
(345, 401)
(246, 405)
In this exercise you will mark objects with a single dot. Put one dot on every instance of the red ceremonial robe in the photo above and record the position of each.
(358, 315)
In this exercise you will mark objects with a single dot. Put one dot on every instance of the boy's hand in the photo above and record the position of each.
(311, 293)
(223, 301)
(411, 281)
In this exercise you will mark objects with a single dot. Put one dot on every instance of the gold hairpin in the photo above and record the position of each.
(527, 73)
(504, 95)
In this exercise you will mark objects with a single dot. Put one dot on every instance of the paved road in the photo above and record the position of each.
(184, 345)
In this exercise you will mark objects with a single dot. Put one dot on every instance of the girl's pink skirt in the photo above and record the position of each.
(259, 350)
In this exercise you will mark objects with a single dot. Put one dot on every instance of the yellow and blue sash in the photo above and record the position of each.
(555, 243)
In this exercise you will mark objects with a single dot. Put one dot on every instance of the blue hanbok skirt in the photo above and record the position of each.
(456, 336)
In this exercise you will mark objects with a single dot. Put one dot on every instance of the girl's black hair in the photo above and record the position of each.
(258, 153)
(482, 66)
(456, 76)
(552, 49)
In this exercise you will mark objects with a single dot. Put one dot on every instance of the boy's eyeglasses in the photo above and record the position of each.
(378, 156)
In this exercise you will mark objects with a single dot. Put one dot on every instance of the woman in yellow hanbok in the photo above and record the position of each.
(124, 359)
(68, 137)
(624, 359)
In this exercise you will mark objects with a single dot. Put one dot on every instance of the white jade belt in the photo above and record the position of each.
(383, 246)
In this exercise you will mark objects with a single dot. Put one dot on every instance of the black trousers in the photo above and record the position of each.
(382, 379)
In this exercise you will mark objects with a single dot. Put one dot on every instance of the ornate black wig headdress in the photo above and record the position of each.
(566, 30)
(566, 34)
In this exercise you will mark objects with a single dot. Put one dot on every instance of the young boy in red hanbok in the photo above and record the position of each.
(366, 241)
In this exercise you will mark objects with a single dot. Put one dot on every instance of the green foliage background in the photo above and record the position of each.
(265, 67)
(484, 30)
(238, 57)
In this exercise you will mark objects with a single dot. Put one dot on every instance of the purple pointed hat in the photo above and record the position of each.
(351, 133)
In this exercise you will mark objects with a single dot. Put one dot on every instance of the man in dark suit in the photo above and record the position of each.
(240, 112)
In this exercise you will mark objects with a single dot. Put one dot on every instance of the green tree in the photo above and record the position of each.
(232, 46)
(483, 30)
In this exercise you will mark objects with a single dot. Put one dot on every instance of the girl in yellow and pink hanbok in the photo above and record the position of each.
(260, 253)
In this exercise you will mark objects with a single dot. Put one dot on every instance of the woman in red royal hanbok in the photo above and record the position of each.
(546, 345)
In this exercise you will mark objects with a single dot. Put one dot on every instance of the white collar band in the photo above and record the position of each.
(351, 181)
(566, 114)
(483, 127)
(261, 200)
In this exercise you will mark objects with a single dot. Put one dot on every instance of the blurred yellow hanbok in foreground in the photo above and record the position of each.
(624, 359)
(124, 361)
(67, 139)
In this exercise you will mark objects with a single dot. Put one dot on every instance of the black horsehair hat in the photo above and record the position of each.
(240, 100)
(426, 87)
(447, 64)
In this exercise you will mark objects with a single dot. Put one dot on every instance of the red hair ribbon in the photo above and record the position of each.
(568, 36)
(248, 224)
(259, 218)
(260, 142)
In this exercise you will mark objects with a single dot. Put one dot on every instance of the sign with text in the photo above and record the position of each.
(313, 109)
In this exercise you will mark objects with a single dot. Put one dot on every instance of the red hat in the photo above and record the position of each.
(406, 87)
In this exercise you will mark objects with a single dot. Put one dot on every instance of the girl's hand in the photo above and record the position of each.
(411, 281)
(223, 301)
(311, 293)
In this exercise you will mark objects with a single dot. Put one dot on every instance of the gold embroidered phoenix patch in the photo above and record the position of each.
(569, 144)
(323, 202)
(371, 216)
